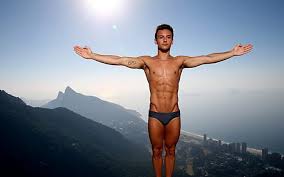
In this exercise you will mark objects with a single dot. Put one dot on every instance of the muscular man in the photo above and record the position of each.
(163, 73)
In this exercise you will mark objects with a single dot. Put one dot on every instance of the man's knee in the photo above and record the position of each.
(157, 152)
(170, 150)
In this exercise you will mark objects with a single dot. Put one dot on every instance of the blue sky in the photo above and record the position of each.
(37, 38)
(37, 58)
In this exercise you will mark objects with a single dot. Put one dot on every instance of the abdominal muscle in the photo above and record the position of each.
(164, 91)
(161, 101)
(163, 78)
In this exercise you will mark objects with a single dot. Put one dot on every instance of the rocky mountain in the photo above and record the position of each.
(60, 142)
(127, 122)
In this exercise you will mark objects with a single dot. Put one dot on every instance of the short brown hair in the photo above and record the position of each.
(164, 26)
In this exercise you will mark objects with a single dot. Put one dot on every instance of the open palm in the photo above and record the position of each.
(240, 49)
(83, 52)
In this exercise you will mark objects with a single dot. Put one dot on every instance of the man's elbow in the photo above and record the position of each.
(208, 59)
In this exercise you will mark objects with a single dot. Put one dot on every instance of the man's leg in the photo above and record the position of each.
(156, 135)
(172, 132)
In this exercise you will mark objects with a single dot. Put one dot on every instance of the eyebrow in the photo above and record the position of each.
(163, 35)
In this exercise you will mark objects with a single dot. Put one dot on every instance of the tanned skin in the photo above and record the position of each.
(163, 73)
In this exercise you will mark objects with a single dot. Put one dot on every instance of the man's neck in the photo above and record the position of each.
(163, 55)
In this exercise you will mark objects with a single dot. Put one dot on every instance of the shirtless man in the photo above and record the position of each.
(163, 73)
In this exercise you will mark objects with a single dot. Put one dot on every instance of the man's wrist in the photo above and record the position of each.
(232, 52)
(92, 55)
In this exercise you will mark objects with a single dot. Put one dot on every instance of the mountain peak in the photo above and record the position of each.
(69, 90)
(60, 95)
(7, 98)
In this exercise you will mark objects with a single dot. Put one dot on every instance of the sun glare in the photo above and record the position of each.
(105, 8)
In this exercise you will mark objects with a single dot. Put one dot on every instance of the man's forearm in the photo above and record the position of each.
(217, 57)
(107, 59)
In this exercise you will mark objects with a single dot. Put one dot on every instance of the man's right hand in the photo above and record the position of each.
(85, 52)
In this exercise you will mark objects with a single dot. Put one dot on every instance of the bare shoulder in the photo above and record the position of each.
(182, 57)
(144, 57)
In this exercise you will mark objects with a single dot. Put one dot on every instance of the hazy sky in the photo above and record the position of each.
(37, 58)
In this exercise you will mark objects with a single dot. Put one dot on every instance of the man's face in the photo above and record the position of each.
(164, 40)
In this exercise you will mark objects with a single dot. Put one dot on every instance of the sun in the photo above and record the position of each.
(105, 8)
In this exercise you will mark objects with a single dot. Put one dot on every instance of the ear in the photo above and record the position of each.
(155, 41)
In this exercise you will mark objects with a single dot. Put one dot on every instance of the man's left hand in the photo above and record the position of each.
(240, 49)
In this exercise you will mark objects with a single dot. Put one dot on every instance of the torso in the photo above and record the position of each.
(163, 77)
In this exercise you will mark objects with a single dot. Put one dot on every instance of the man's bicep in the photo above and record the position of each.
(132, 62)
(190, 62)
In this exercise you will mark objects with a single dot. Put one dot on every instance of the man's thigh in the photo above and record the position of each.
(156, 132)
(172, 131)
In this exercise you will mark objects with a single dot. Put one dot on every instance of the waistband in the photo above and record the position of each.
(165, 112)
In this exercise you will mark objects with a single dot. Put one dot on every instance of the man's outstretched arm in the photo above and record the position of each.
(190, 62)
(130, 62)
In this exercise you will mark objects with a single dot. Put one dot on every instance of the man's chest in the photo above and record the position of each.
(163, 69)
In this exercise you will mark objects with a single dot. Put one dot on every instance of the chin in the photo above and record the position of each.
(164, 49)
